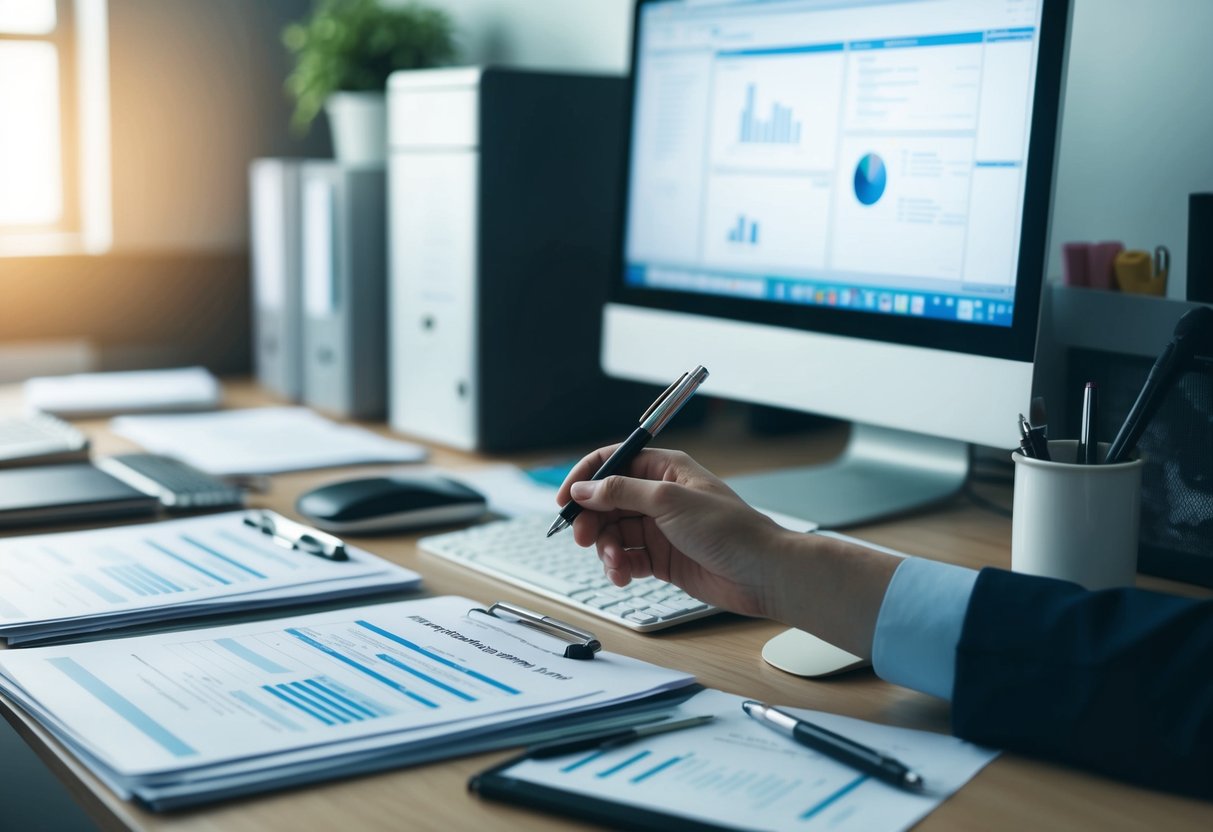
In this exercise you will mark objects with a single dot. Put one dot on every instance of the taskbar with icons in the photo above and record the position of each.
(966, 308)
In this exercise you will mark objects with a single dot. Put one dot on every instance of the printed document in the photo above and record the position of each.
(262, 440)
(320, 692)
(82, 581)
(85, 394)
(737, 772)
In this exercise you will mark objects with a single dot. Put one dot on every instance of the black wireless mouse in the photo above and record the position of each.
(380, 504)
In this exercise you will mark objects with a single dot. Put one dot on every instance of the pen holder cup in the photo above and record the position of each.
(1076, 522)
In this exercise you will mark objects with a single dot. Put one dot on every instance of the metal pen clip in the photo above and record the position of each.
(1162, 261)
(296, 536)
(671, 401)
(584, 644)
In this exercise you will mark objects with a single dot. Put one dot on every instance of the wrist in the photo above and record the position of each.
(831, 588)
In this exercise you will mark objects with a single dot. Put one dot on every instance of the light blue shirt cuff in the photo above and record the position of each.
(919, 625)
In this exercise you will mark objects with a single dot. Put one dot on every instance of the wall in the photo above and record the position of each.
(196, 92)
(1137, 128)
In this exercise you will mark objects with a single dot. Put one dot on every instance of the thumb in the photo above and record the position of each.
(611, 493)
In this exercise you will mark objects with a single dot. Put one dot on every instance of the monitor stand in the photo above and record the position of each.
(881, 472)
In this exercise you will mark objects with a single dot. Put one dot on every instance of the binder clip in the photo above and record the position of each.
(582, 643)
(296, 536)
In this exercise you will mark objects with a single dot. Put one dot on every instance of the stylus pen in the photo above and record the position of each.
(606, 740)
(835, 746)
(654, 419)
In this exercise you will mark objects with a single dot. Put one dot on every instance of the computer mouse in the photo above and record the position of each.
(393, 503)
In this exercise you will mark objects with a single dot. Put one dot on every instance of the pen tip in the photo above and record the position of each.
(556, 526)
(913, 780)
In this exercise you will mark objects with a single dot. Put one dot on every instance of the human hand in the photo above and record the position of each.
(673, 519)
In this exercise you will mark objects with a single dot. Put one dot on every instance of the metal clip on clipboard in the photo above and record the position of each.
(583, 644)
(296, 536)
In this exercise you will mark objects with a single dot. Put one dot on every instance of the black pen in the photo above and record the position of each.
(606, 740)
(1025, 438)
(654, 419)
(836, 746)
(1088, 442)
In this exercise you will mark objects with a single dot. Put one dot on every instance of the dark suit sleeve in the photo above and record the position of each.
(1118, 681)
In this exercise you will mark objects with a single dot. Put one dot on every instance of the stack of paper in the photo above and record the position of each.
(262, 440)
(181, 718)
(70, 583)
(85, 394)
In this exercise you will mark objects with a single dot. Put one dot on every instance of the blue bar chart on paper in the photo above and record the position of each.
(49, 580)
(327, 677)
(734, 772)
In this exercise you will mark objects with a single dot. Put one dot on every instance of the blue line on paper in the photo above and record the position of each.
(88, 583)
(370, 708)
(332, 702)
(397, 663)
(251, 656)
(825, 804)
(435, 657)
(134, 577)
(621, 766)
(266, 712)
(317, 701)
(640, 778)
(123, 707)
(125, 581)
(156, 578)
(589, 758)
(379, 677)
(188, 563)
(295, 703)
(216, 553)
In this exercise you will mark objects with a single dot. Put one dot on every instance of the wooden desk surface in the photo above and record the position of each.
(1014, 793)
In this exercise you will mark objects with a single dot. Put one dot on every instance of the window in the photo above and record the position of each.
(54, 127)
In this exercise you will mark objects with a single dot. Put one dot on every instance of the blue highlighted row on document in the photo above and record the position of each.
(67, 583)
(251, 704)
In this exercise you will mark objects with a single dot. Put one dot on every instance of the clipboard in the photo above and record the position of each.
(157, 574)
(497, 784)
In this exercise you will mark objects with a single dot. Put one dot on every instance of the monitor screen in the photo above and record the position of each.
(858, 168)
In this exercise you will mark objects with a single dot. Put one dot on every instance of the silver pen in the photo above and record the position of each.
(652, 422)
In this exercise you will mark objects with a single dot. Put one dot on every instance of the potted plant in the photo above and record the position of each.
(343, 55)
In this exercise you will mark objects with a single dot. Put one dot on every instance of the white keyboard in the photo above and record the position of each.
(517, 552)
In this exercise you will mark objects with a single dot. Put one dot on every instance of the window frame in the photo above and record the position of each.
(80, 39)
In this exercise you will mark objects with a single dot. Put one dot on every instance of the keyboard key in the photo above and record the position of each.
(518, 552)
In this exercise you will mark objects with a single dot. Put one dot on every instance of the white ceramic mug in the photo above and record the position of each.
(1076, 522)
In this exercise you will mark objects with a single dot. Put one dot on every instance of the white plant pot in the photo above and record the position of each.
(358, 121)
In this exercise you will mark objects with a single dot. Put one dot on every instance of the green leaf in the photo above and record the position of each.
(355, 45)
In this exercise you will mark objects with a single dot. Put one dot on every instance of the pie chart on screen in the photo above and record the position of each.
(870, 179)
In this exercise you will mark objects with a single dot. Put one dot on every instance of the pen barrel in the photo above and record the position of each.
(850, 753)
(622, 457)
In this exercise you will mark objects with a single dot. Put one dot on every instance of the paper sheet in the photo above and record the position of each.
(157, 712)
(737, 772)
(74, 580)
(262, 440)
(188, 388)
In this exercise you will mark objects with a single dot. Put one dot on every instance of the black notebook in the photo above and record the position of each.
(64, 493)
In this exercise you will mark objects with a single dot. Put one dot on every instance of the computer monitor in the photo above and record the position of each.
(842, 207)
